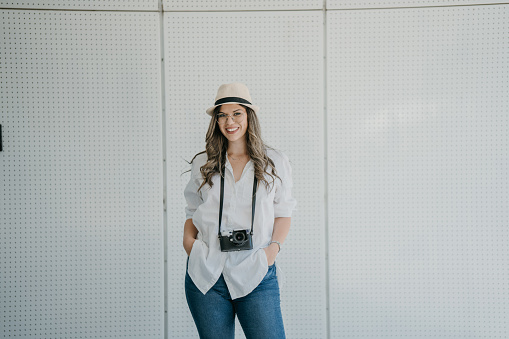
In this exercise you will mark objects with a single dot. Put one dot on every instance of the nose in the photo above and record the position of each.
(228, 119)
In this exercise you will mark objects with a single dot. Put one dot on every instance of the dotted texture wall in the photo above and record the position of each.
(133, 5)
(418, 172)
(81, 243)
(345, 4)
(225, 5)
(279, 56)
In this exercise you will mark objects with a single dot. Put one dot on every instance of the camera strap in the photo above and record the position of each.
(255, 181)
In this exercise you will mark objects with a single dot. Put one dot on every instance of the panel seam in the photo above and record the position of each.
(416, 7)
(160, 10)
(165, 193)
(326, 193)
(245, 10)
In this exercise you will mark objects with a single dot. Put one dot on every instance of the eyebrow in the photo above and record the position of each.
(238, 109)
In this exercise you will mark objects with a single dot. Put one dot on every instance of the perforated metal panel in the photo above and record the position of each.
(345, 4)
(134, 5)
(81, 235)
(224, 5)
(418, 172)
(279, 56)
(417, 162)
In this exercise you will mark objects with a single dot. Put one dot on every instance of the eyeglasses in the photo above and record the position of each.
(236, 117)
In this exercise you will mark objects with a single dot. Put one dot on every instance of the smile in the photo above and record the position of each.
(231, 130)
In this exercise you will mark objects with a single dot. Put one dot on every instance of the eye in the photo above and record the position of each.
(237, 114)
(221, 116)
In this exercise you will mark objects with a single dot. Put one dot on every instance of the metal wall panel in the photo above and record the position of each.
(226, 5)
(81, 235)
(418, 172)
(279, 56)
(417, 147)
(131, 5)
(358, 4)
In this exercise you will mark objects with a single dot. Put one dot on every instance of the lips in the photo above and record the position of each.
(232, 130)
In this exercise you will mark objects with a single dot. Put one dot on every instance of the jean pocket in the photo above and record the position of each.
(271, 272)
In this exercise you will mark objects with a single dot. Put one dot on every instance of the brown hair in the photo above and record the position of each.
(217, 144)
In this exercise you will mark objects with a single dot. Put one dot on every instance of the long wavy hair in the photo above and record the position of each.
(217, 144)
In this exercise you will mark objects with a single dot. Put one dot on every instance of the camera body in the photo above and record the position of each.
(240, 240)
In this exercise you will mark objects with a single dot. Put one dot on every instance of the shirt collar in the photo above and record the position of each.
(246, 168)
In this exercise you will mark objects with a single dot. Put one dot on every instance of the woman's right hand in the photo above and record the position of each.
(190, 233)
(188, 244)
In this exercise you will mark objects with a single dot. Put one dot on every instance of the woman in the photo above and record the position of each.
(232, 242)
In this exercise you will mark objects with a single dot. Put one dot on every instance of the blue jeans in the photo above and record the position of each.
(259, 312)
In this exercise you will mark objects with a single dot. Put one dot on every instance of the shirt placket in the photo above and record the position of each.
(237, 190)
(233, 201)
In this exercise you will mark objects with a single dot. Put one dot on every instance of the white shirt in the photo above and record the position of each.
(242, 270)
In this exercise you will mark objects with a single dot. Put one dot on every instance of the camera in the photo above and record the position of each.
(239, 240)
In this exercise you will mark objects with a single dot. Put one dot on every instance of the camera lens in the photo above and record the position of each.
(240, 237)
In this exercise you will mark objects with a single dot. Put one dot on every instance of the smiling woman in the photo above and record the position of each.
(233, 125)
(227, 276)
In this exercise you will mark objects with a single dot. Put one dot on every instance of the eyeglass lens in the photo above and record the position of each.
(237, 117)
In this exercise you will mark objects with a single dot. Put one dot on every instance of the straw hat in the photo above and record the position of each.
(234, 93)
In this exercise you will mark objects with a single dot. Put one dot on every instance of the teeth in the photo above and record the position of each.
(231, 129)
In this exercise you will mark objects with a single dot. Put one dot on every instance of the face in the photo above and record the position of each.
(232, 129)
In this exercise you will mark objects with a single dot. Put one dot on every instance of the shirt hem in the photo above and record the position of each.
(209, 283)
(250, 289)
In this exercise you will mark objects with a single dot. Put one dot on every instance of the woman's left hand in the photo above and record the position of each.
(271, 253)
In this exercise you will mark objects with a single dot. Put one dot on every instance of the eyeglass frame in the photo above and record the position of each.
(230, 116)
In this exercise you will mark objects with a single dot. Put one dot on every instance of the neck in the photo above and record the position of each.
(238, 147)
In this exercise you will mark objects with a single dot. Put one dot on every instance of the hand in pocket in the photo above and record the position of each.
(271, 253)
(188, 246)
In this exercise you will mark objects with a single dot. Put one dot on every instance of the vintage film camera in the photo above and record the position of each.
(237, 240)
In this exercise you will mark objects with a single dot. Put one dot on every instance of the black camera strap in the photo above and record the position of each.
(221, 205)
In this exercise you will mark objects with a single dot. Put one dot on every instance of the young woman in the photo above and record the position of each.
(239, 206)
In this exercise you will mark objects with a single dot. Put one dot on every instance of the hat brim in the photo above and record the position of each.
(210, 110)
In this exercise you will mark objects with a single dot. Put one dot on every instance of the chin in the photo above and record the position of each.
(229, 138)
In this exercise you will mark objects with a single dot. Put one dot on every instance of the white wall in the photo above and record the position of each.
(81, 236)
(395, 120)
(417, 161)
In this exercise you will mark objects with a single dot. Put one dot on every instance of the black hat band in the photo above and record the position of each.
(231, 99)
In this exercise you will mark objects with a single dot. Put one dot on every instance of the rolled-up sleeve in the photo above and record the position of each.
(284, 203)
(191, 194)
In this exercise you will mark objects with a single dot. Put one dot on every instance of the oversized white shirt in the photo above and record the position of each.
(242, 270)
